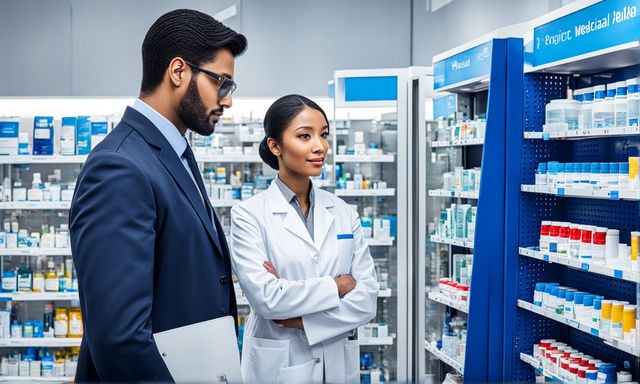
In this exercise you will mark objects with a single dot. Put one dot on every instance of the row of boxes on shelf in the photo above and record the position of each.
(572, 366)
(60, 322)
(462, 180)
(360, 147)
(457, 222)
(373, 331)
(213, 145)
(600, 245)
(345, 180)
(38, 362)
(614, 319)
(453, 291)
(589, 176)
(613, 105)
(27, 279)
(12, 236)
(468, 129)
(378, 228)
(76, 135)
(52, 190)
(241, 185)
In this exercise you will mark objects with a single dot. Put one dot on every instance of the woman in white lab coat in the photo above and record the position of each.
(301, 260)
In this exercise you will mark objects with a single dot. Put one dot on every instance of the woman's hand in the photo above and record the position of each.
(296, 322)
(270, 268)
(345, 283)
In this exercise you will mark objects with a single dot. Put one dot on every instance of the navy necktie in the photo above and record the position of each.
(191, 161)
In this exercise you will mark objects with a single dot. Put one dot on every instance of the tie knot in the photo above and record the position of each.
(188, 153)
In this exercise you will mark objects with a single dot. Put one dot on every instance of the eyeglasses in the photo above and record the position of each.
(226, 86)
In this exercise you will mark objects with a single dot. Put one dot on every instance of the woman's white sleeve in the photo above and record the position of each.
(269, 296)
(357, 307)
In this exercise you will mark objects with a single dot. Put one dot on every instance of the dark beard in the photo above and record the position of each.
(193, 113)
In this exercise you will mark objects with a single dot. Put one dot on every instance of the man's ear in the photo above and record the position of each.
(177, 71)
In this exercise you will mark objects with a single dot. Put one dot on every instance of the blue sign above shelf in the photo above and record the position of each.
(445, 106)
(471, 64)
(603, 25)
(374, 88)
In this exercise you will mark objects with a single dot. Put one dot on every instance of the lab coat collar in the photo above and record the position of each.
(323, 216)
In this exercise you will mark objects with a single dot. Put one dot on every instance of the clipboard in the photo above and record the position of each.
(205, 352)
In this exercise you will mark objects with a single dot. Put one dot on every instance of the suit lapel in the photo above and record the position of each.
(174, 166)
(177, 170)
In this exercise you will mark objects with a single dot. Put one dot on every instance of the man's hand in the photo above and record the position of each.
(345, 284)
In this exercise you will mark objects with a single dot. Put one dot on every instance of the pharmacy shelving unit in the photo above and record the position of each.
(603, 55)
(356, 92)
(475, 81)
(32, 215)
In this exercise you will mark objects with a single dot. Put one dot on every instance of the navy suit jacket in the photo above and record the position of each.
(146, 254)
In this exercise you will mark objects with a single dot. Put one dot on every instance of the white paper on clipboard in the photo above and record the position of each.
(205, 352)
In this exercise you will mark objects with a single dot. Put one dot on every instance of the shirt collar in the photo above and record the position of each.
(168, 130)
(289, 195)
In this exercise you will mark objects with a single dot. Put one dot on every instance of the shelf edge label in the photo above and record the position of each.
(602, 25)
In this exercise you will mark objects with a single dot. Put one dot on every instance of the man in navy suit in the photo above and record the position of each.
(149, 252)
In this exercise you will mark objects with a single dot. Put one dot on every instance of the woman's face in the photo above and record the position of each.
(304, 144)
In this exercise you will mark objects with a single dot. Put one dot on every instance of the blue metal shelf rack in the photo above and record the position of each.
(602, 56)
(523, 328)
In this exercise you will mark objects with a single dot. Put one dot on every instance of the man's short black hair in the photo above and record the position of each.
(186, 33)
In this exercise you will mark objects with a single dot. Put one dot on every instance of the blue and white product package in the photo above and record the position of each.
(68, 136)
(9, 137)
(99, 130)
(83, 135)
(23, 143)
(43, 135)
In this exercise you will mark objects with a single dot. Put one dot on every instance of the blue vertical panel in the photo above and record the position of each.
(514, 120)
(483, 361)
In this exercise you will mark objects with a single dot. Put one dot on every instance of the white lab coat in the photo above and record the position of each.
(266, 227)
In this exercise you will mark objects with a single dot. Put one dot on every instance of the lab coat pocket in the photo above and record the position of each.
(264, 358)
(351, 362)
(309, 372)
(345, 254)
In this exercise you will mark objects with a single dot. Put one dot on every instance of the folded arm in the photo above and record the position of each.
(357, 307)
(271, 297)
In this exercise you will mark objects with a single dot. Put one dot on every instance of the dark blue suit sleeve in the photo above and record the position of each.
(112, 221)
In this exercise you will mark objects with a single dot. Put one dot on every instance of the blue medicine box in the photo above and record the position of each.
(43, 135)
